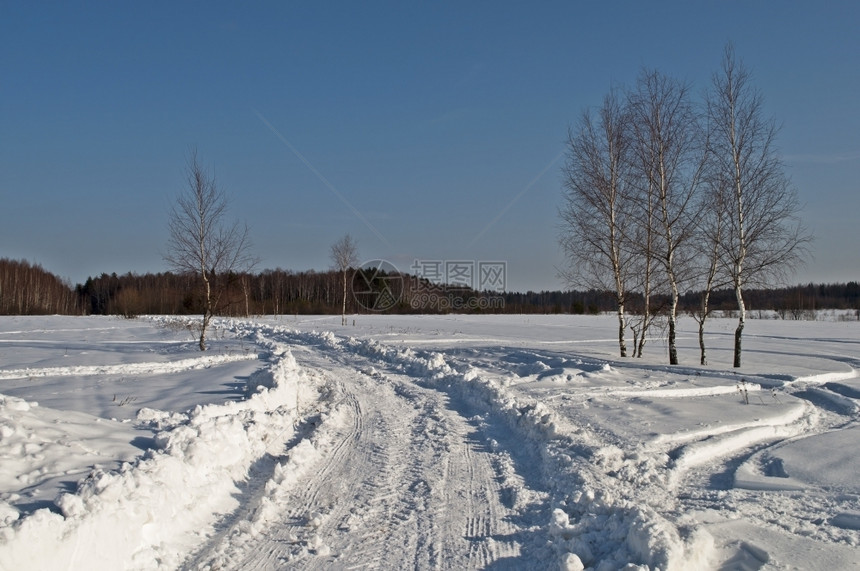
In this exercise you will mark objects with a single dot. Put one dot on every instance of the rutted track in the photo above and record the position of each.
(399, 479)
(427, 470)
(355, 452)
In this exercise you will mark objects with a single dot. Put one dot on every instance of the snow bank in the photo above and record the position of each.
(607, 538)
(203, 362)
(823, 378)
(301, 459)
(151, 512)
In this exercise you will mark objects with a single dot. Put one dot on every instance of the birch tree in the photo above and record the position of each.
(201, 242)
(764, 239)
(709, 235)
(642, 228)
(344, 254)
(670, 158)
(594, 213)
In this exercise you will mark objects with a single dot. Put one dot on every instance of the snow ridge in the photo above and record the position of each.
(128, 368)
(151, 512)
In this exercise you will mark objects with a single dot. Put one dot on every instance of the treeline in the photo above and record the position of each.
(271, 292)
(279, 292)
(28, 289)
(787, 302)
(790, 302)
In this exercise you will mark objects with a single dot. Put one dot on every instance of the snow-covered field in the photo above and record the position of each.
(455, 442)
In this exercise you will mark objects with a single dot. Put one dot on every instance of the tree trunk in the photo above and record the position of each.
(246, 291)
(673, 350)
(207, 311)
(621, 327)
(705, 299)
(203, 331)
(635, 341)
(742, 312)
(673, 318)
(343, 312)
(646, 317)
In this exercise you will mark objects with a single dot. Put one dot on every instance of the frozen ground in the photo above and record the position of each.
(456, 442)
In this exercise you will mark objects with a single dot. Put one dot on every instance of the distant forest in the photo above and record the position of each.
(29, 289)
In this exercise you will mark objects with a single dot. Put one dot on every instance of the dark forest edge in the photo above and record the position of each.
(29, 289)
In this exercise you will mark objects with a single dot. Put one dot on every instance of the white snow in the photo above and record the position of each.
(518, 442)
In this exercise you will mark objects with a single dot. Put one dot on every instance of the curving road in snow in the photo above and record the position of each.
(447, 442)
(391, 476)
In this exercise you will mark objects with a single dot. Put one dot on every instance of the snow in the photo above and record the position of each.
(425, 441)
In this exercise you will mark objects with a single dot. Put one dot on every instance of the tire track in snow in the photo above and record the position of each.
(403, 482)
(315, 506)
(657, 534)
(354, 489)
(485, 520)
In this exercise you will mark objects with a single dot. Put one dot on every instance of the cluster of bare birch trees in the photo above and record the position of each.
(666, 194)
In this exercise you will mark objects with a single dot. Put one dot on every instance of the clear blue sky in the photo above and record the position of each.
(427, 131)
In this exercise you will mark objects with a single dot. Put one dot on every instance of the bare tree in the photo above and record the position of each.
(643, 230)
(709, 236)
(344, 254)
(201, 242)
(764, 238)
(670, 158)
(594, 213)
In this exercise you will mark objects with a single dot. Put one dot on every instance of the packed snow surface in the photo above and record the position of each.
(455, 442)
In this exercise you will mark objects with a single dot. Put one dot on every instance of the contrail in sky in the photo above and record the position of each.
(323, 179)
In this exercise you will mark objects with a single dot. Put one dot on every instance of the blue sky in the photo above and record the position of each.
(427, 131)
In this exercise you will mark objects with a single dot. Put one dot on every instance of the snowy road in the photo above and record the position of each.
(447, 442)
(400, 480)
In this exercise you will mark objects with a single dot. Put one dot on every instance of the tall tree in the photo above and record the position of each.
(670, 156)
(764, 239)
(344, 255)
(595, 210)
(709, 235)
(201, 242)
